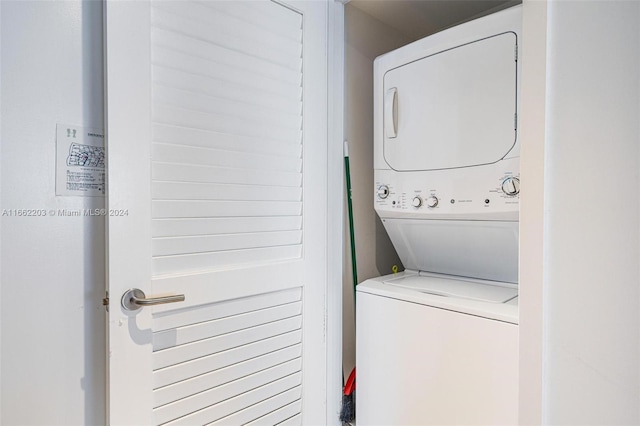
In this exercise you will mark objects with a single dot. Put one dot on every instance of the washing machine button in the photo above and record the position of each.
(383, 191)
(511, 186)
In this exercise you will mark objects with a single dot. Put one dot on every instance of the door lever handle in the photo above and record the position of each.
(134, 299)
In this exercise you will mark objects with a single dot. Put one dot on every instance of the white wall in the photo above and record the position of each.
(0, 216)
(591, 305)
(52, 268)
(532, 209)
(366, 38)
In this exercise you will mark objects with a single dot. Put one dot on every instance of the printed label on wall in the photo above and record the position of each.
(80, 161)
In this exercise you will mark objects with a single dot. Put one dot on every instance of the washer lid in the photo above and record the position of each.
(457, 287)
(455, 108)
(384, 287)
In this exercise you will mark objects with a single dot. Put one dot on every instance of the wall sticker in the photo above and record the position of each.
(80, 161)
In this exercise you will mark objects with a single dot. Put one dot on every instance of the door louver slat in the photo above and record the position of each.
(201, 138)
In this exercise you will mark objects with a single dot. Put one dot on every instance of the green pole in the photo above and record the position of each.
(350, 211)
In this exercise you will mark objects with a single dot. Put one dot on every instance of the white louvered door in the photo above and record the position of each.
(217, 189)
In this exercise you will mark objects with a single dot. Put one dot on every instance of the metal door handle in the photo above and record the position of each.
(134, 299)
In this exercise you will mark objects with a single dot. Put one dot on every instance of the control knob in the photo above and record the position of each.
(432, 201)
(383, 191)
(416, 202)
(511, 186)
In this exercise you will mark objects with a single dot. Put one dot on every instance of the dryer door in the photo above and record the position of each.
(455, 108)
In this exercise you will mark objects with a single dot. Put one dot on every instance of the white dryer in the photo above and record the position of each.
(438, 343)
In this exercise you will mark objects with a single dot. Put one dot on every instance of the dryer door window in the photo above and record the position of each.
(453, 109)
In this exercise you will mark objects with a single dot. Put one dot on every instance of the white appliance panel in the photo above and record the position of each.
(478, 249)
(508, 21)
(455, 108)
(446, 368)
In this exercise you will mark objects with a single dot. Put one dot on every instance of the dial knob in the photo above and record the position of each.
(511, 186)
(416, 202)
(383, 191)
(432, 201)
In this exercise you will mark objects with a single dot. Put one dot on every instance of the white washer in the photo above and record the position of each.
(441, 347)
(448, 356)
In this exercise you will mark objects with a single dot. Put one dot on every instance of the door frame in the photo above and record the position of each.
(335, 205)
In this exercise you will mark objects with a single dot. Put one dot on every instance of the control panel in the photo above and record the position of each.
(490, 191)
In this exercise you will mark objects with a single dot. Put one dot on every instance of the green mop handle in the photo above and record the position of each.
(350, 210)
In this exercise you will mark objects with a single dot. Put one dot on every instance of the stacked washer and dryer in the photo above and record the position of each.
(438, 343)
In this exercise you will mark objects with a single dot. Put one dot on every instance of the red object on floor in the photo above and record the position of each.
(350, 386)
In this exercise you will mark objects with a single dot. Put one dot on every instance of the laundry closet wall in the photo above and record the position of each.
(366, 38)
(591, 299)
(580, 228)
(52, 268)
